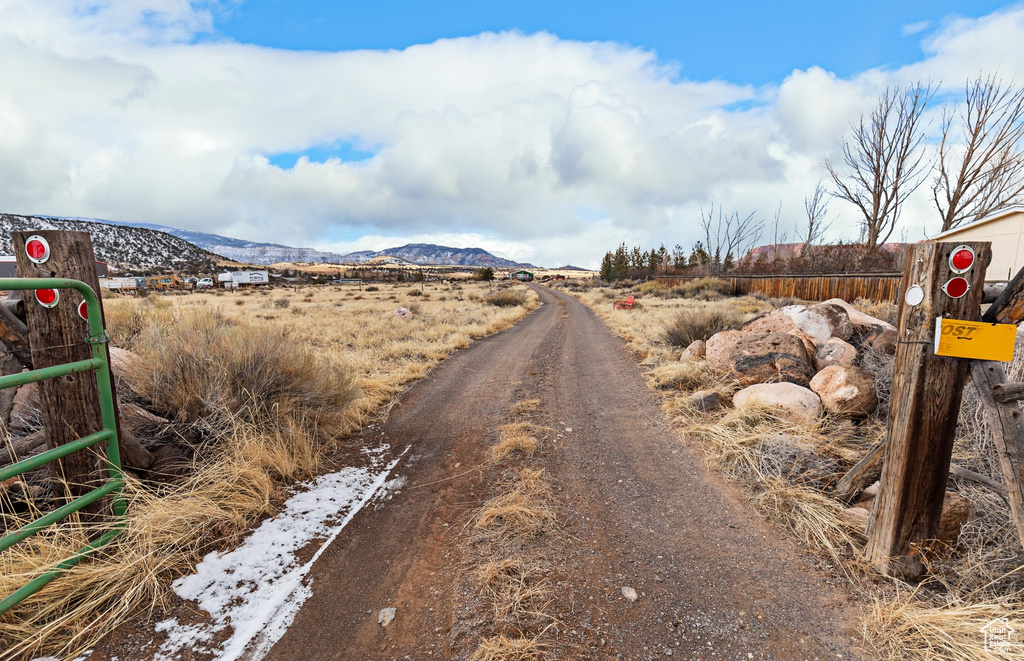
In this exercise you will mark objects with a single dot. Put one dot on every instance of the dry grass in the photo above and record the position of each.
(515, 438)
(507, 298)
(515, 586)
(525, 407)
(523, 510)
(907, 626)
(690, 325)
(503, 648)
(269, 397)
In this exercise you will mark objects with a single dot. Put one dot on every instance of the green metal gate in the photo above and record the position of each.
(108, 434)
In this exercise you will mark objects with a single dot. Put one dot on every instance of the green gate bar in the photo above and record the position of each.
(114, 484)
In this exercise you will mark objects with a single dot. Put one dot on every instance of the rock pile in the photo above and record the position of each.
(802, 359)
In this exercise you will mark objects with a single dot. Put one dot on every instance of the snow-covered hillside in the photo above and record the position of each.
(124, 248)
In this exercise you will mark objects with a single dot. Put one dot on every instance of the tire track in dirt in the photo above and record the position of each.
(637, 508)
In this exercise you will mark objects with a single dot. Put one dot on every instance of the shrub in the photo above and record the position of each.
(415, 292)
(207, 369)
(704, 288)
(372, 288)
(699, 324)
(507, 298)
(282, 302)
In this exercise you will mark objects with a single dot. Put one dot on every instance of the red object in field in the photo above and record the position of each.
(956, 287)
(48, 298)
(83, 311)
(961, 259)
(37, 248)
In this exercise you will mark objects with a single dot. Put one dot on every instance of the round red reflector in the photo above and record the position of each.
(83, 311)
(956, 287)
(37, 249)
(47, 297)
(961, 259)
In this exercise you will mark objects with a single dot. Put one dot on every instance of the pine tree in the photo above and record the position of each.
(606, 267)
(620, 263)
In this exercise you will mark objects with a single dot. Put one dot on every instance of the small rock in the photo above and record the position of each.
(707, 400)
(846, 391)
(629, 593)
(872, 490)
(834, 351)
(25, 415)
(697, 349)
(857, 515)
(796, 403)
(956, 511)
(403, 313)
(385, 616)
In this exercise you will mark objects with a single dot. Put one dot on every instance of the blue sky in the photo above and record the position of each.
(742, 42)
(543, 132)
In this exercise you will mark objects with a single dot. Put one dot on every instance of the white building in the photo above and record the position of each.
(1005, 229)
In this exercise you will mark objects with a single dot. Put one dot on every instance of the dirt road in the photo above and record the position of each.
(636, 508)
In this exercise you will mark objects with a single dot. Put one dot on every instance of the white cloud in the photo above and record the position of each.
(546, 150)
(915, 28)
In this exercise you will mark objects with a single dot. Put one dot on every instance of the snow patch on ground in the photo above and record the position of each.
(258, 588)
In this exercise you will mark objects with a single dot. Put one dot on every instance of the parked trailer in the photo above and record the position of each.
(234, 279)
(122, 284)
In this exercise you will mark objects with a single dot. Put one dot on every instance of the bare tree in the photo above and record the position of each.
(985, 169)
(884, 159)
(728, 236)
(816, 208)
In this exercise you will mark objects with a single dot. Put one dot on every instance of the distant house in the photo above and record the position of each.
(521, 276)
(1004, 228)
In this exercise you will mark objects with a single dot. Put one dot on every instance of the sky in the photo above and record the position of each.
(543, 132)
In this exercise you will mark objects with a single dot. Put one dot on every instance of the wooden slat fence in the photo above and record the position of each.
(815, 287)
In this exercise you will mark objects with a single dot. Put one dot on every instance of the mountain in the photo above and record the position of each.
(253, 252)
(240, 250)
(428, 253)
(124, 248)
(570, 267)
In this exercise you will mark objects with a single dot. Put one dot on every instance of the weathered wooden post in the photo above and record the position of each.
(69, 405)
(926, 394)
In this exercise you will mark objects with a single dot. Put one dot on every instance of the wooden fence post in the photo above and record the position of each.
(926, 395)
(69, 405)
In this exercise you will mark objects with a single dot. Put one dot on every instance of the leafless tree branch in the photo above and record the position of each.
(884, 160)
(984, 170)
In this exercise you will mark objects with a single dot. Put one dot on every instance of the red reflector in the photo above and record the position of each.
(47, 297)
(961, 259)
(83, 311)
(956, 287)
(37, 249)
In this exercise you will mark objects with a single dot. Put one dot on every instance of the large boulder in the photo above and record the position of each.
(796, 403)
(815, 323)
(834, 351)
(719, 347)
(764, 357)
(846, 391)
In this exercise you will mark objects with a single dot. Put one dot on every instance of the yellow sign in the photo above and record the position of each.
(974, 339)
